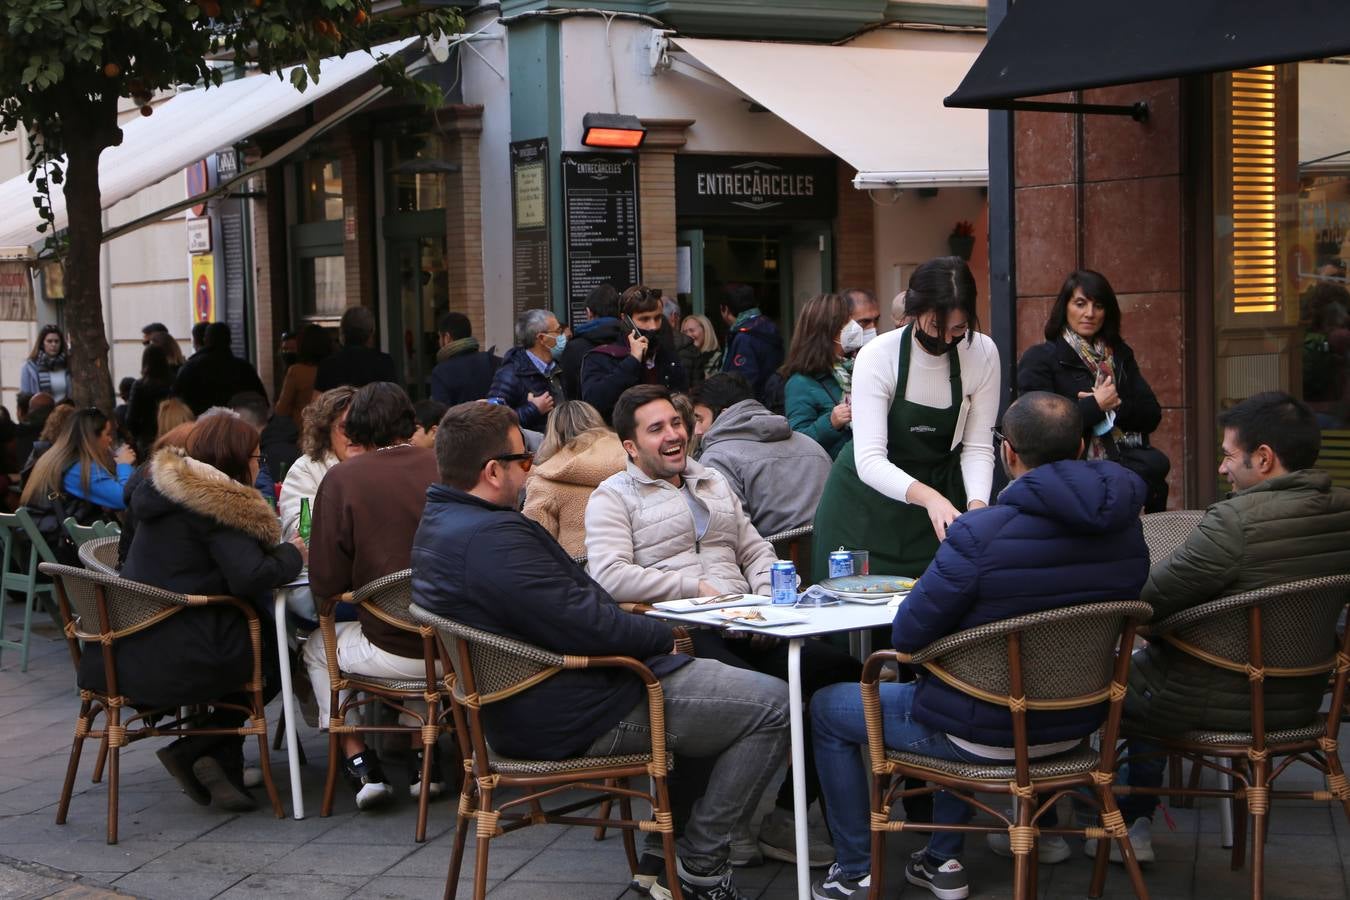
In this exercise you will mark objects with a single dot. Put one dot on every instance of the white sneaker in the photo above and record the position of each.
(1141, 841)
(252, 776)
(1050, 849)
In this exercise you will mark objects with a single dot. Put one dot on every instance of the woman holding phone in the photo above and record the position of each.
(1085, 359)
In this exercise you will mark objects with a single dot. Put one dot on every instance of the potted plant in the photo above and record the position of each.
(962, 240)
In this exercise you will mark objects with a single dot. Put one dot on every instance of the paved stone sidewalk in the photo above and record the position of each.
(172, 849)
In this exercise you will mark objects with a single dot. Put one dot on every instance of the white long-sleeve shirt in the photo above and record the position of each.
(875, 374)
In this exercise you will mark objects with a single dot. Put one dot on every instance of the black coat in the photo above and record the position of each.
(610, 369)
(357, 366)
(463, 377)
(143, 412)
(211, 377)
(516, 379)
(1054, 366)
(197, 532)
(493, 569)
(586, 336)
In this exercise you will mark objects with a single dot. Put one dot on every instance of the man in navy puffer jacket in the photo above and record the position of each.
(1063, 533)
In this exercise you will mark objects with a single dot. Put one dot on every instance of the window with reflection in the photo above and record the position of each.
(1282, 242)
(322, 189)
(417, 166)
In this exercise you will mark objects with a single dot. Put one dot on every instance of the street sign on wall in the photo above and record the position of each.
(530, 244)
(16, 291)
(785, 187)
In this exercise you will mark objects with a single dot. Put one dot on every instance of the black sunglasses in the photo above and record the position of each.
(1000, 437)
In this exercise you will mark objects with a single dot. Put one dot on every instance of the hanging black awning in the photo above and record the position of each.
(1051, 46)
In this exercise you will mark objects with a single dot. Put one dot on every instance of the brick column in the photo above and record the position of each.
(855, 259)
(656, 191)
(462, 126)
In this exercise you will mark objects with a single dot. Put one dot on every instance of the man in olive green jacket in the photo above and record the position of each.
(1283, 522)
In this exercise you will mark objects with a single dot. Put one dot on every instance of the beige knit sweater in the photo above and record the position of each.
(559, 488)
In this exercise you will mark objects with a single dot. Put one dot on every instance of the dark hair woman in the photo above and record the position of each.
(46, 369)
(1085, 359)
(146, 394)
(925, 397)
(78, 476)
(297, 388)
(820, 374)
(201, 528)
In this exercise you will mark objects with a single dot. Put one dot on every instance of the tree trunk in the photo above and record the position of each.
(91, 377)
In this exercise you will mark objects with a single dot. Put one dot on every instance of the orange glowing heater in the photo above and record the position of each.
(612, 130)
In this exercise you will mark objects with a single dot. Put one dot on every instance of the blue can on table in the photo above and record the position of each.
(783, 583)
(841, 563)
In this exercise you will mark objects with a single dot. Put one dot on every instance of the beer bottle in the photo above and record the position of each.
(304, 519)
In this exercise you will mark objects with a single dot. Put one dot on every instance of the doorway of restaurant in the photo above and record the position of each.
(785, 263)
(418, 288)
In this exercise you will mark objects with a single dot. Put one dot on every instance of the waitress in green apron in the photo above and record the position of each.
(925, 397)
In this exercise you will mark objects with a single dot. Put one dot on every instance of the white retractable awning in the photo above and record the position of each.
(880, 110)
(187, 127)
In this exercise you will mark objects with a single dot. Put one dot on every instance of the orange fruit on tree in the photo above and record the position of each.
(360, 17)
(147, 110)
(112, 70)
(209, 7)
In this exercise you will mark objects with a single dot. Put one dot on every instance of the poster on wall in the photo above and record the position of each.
(530, 245)
(203, 288)
(600, 213)
(16, 291)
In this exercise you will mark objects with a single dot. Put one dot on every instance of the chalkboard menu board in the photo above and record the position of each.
(600, 208)
(529, 221)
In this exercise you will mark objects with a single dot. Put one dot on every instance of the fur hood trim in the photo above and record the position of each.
(208, 491)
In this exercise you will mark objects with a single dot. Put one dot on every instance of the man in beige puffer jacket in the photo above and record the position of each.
(666, 528)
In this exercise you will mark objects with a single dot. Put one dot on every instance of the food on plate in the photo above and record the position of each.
(745, 614)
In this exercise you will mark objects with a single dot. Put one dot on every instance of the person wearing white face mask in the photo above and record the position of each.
(864, 310)
(924, 398)
(819, 372)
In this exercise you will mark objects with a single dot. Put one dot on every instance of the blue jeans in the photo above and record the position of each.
(1145, 772)
(840, 733)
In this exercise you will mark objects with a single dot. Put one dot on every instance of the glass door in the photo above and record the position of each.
(689, 271)
(419, 294)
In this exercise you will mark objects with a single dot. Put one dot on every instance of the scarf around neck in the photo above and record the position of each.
(1100, 360)
(455, 348)
(843, 374)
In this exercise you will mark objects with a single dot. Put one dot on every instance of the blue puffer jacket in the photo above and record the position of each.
(519, 377)
(1064, 534)
(493, 569)
(755, 350)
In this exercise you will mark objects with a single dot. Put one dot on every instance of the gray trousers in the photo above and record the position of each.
(736, 718)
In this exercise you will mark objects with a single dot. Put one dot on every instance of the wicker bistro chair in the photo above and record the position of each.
(83, 533)
(1285, 631)
(484, 668)
(1065, 658)
(105, 608)
(100, 554)
(388, 599)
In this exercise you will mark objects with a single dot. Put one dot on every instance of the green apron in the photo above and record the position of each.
(898, 535)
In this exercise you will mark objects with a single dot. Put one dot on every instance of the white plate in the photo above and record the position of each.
(690, 606)
(869, 599)
(772, 615)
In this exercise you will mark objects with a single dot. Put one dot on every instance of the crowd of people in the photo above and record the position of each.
(643, 456)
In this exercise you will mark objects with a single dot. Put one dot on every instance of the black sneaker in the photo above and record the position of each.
(368, 780)
(946, 882)
(178, 758)
(436, 784)
(698, 886)
(834, 885)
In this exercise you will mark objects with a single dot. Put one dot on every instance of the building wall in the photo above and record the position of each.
(1110, 194)
(911, 229)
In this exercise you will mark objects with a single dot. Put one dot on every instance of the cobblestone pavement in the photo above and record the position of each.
(172, 849)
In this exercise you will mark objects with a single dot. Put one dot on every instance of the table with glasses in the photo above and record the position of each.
(287, 694)
(814, 622)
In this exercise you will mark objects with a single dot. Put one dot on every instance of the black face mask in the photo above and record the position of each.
(935, 345)
(650, 334)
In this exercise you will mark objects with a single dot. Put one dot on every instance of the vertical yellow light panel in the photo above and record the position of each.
(1252, 133)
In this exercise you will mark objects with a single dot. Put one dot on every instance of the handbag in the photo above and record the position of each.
(1152, 465)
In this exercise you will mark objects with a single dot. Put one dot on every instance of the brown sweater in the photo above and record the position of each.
(365, 515)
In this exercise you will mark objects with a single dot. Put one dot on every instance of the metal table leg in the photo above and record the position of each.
(289, 705)
(798, 732)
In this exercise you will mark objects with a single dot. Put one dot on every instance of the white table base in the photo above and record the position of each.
(289, 705)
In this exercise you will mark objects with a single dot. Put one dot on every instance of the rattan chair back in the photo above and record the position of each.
(1297, 628)
(389, 598)
(487, 666)
(1164, 532)
(100, 554)
(1067, 655)
(106, 607)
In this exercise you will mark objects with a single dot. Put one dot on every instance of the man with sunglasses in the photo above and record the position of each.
(479, 562)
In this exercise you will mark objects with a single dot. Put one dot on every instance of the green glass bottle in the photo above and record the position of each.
(304, 519)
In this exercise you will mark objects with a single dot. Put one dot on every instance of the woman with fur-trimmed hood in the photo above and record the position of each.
(201, 528)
